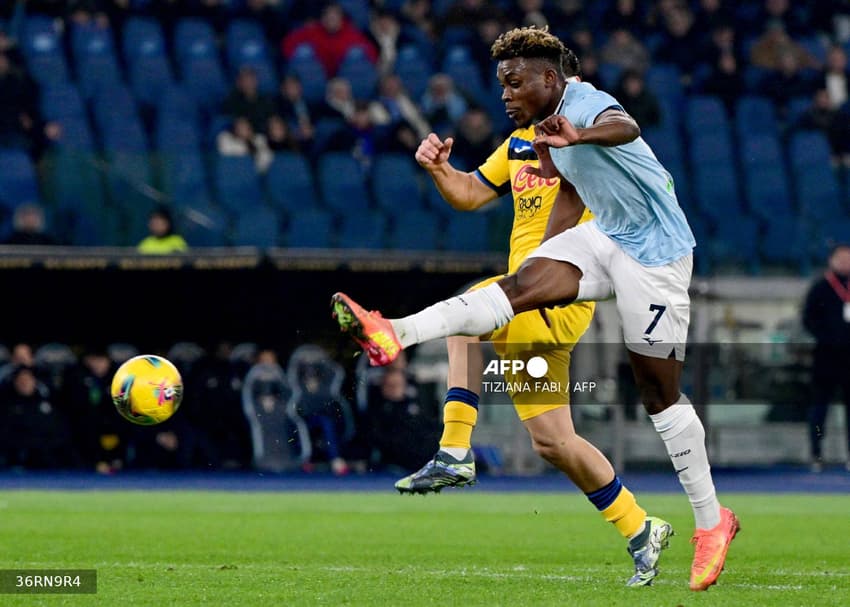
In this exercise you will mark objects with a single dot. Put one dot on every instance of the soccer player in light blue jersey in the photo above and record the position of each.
(637, 249)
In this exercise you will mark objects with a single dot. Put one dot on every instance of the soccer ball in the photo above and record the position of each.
(147, 389)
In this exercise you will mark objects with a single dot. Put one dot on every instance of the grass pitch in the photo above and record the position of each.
(459, 548)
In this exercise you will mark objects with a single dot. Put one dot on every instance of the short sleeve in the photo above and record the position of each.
(494, 172)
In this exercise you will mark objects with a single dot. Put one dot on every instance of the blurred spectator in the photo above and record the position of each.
(339, 100)
(639, 102)
(625, 51)
(443, 104)
(330, 38)
(725, 80)
(475, 139)
(834, 123)
(787, 82)
(533, 12)
(467, 14)
(100, 434)
(626, 15)
(782, 11)
(162, 238)
(240, 139)
(589, 63)
(246, 100)
(479, 46)
(680, 45)
(29, 227)
(280, 138)
(385, 30)
(214, 404)
(399, 427)
(401, 111)
(835, 78)
(34, 434)
(722, 41)
(773, 47)
(711, 15)
(826, 315)
(294, 109)
(581, 40)
(20, 120)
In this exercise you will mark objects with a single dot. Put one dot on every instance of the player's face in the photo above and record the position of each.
(529, 89)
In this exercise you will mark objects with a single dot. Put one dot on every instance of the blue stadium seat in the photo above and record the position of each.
(203, 225)
(760, 150)
(736, 243)
(237, 183)
(257, 227)
(711, 148)
(413, 69)
(75, 185)
(205, 81)
(395, 182)
(819, 195)
(18, 183)
(194, 39)
(176, 103)
(795, 109)
(666, 143)
(458, 64)
(306, 66)
(416, 230)
(289, 182)
(609, 75)
(76, 135)
(665, 81)
(467, 232)
(103, 229)
(61, 101)
(95, 59)
(358, 12)
(183, 177)
(807, 150)
(246, 45)
(767, 191)
(142, 37)
(705, 114)
(786, 242)
(311, 228)
(42, 48)
(360, 72)
(755, 115)
(342, 183)
(149, 76)
(362, 231)
(175, 135)
(716, 192)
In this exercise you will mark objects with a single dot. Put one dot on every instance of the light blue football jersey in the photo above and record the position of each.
(629, 191)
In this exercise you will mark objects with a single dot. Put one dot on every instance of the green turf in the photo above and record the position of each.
(459, 548)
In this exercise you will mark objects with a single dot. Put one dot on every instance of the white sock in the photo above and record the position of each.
(456, 452)
(684, 436)
(473, 313)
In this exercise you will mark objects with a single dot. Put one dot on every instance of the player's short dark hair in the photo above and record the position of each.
(536, 43)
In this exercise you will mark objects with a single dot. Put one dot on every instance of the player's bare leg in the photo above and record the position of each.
(684, 437)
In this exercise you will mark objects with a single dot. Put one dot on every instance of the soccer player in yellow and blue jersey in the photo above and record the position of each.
(533, 88)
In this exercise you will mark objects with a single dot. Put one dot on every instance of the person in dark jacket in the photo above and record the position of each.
(826, 315)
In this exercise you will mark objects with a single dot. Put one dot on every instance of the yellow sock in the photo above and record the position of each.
(617, 505)
(459, 416)
(625, 513)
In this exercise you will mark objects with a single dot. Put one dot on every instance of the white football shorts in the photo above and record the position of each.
(653, 302)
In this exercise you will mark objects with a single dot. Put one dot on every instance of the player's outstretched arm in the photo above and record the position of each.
(463, 191)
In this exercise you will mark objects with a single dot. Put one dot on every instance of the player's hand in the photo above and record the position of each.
(556, 131)
(546, 169)
(433, 152)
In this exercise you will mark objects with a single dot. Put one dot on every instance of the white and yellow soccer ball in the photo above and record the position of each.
(147, 389)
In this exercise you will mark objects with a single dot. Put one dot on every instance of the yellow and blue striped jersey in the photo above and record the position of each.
(506, 170)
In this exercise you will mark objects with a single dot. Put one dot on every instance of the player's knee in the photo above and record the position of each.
(540, 282)
(554, 448)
